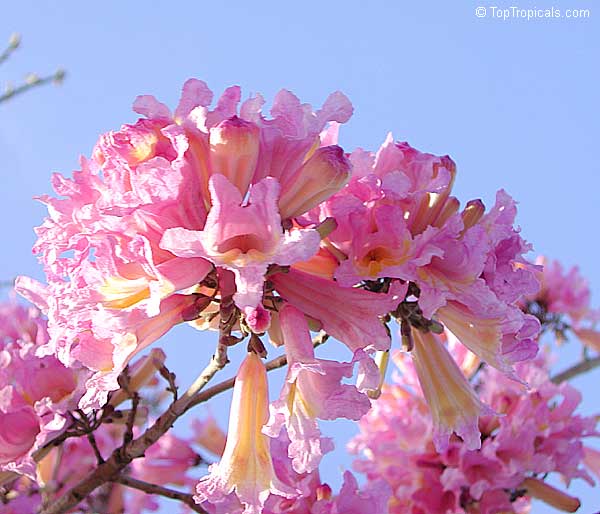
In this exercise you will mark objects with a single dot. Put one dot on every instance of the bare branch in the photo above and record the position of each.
(578, 369)
(32, 81)
(160, 490)
(13, 43)
(122, 457)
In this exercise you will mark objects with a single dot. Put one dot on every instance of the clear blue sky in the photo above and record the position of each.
(516, 103)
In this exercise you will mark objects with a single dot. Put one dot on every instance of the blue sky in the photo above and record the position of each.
(514, 102)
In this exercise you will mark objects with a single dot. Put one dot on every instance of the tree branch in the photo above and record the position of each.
(13, 43)
(31, 82)
(160, 490)
(578, 369)
(122, 457)
(278, 362)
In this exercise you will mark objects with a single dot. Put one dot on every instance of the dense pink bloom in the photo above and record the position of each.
(398, 223)
(165, 201)
(228, 219)
(536, 432)
(168, 461)
(565, 292)
(36, 393)
(244, 237)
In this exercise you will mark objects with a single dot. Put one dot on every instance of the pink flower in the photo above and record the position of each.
(454, 405)
(217, 186)
(564, 292)
(536, 432)
(245, 467)
(355, 500)
(312, 390)
(18, 431)
(35, 392)
(166, 461)
(209, 435)
(356, 324)
(244, 237)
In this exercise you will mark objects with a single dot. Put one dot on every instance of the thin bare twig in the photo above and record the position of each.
(94, 445)
(160, 490)
(13, 43)
(122, 456)
(170, 377)
(577, 369)
(32, 81)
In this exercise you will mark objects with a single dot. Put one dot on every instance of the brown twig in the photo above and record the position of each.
(160, 490)
(577, 369)
(122, 456)
(278, 362)
(94, 445)
(170, 377)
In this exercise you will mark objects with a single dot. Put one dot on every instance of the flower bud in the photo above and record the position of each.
(472, 213)
(234, 146)
(325, 173)
(542, 491)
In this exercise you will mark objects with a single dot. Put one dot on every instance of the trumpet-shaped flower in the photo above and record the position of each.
(245, 468)
(454, 404)
(355, 323)
(312, 390)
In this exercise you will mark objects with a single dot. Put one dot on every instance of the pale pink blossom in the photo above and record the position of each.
(244, 237)
(536, 431)
(36, 393)
(355, 323)
(204, 183)
(312, 390)
(246, 468)
(562, 291)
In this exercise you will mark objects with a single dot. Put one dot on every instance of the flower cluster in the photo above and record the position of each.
(563, 304)
(36, 393)
(39, 402)
(534, 432)
(229, 219)
(397, 221)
